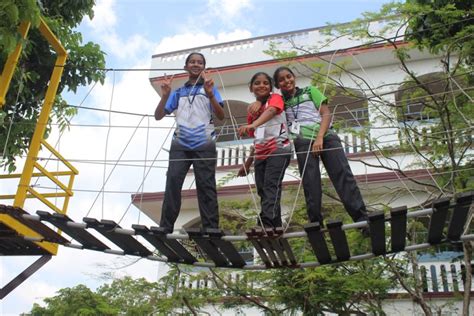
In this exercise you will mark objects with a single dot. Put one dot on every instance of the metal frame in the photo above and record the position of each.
(25, 190)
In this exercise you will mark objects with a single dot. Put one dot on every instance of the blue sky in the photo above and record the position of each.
(130, 32)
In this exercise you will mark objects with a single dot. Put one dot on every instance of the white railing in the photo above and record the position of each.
(437, 278)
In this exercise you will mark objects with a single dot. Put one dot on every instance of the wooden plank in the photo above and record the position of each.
(158, 243)
(226, 247)
(339, 240)
(267, 245)
(254, 239)
(47, 233)
(81, 235)
(398, 224)
(20, 278)
(127, 243)
(13, 244)
(273, 236)
(377, 232)
(179, 249)
(202, 241)
(317, 242)
(438, 220)
(459, 216)
(286, 247)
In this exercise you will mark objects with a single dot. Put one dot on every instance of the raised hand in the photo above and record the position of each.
(208, 84)
(166, 85)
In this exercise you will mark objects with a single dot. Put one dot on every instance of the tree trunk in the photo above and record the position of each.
(468, 279)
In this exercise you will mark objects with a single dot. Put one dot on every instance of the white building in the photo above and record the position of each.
(375, 79)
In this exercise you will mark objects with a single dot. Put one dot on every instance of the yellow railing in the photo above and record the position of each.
(25, 189)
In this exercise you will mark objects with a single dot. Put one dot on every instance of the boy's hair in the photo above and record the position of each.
(254, 77)
(277, 72)
(195, 53)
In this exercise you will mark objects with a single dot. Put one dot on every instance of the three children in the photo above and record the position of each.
(309, 122)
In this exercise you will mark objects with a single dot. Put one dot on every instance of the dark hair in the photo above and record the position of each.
(195, 53)
(277, 72)
(254, 77)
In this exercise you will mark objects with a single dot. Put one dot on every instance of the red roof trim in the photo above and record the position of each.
(243, 189)
(258, 64)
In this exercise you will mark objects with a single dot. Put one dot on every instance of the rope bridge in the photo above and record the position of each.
(271, 245)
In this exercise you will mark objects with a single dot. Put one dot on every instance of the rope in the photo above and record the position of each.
(115, 165)
(222, 127)
(107, 139)
(395, 173)
(297, 178)
(20, 89)
(100, 161)
(144, 168)
(239, 139)
(144, 178)
(307, 155)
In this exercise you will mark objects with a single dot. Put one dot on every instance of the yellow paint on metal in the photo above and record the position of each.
(28, 232)
(37, 174)
(52, 178)
(40, 197)
(30, 196)
(44, 115)
(11, 63)
(58, 155)
(24, 190)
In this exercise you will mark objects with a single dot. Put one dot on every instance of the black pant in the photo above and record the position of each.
(339, 171)
(269, 174)
(204, 167)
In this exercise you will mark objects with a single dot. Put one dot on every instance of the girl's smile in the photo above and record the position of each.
(261, 87)
(195, 65)
(286, 82)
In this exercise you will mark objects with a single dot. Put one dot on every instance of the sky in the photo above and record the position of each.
(130, 32)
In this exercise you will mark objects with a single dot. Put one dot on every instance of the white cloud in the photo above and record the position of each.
(228, 9)
(126, 49)
(104, 16)
(190, 39)
(103, 26)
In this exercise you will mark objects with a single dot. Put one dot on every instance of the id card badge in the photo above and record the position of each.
(260, 132)
(295, 128)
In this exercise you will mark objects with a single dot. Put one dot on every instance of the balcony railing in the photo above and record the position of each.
(436, 278)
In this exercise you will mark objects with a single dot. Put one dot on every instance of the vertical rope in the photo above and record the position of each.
(107, 142)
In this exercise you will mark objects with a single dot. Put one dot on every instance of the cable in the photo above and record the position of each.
(371, 182)
(107, 140)
(20, 89)
(98, 161)
(234, 123)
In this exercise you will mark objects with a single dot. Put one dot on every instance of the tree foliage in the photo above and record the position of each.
(79, 300)
(441, 27)
(27, 90)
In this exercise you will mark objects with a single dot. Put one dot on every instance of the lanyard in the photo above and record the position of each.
(297, 108)
(194, 94)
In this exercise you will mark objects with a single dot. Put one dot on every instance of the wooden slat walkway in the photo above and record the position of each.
(212, 248)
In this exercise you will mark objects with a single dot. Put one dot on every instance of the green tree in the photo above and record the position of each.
(440, 135)
(132, 296)
(78, 300)
(23, 103)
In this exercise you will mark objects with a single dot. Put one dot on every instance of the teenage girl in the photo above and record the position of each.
(271, 147)
(309, 122)
(193, 142)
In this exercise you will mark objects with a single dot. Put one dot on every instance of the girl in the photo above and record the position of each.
(193, 142)
(309, 121)
(271, 147)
